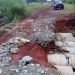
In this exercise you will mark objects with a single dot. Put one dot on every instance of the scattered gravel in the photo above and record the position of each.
(27, 70)
(43, 37)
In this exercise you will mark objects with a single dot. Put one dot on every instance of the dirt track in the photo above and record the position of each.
(44, 13)
(33, 49)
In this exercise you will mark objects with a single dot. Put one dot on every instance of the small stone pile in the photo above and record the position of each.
(11, 46)
(43, 37)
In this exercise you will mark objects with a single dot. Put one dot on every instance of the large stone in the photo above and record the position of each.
(65, 37)
(23, 40)
(57, 59)
(25, 60)
(14, 40)
(65, 44)
(71, 50)
(18, 40)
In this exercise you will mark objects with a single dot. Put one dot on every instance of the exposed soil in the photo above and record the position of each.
(66, 25)
(33, 49)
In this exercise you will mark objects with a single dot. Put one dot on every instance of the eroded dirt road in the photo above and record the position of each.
(26, 27)
(44, 13)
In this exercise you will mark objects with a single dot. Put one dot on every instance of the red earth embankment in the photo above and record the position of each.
(66, 25)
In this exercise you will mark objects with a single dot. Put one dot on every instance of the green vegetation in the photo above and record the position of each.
(69, 1)
(14, 10)
(9, 8)
(35, 6)
(17, 9)
(69, 8)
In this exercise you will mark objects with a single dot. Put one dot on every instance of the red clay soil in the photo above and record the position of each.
(71, 23)
(65, 25)
(60, 26)
(33, 49)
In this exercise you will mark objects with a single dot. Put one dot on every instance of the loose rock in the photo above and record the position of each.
(14, 50)
(25, 60)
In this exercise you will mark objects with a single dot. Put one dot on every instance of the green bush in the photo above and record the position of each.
(11, 9)
(69, 1)
(19, 12)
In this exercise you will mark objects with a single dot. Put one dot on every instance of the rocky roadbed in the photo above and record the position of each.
(30, 69)
(7, 66)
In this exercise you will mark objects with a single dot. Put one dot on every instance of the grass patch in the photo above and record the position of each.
(36, 6)
(69, 8)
